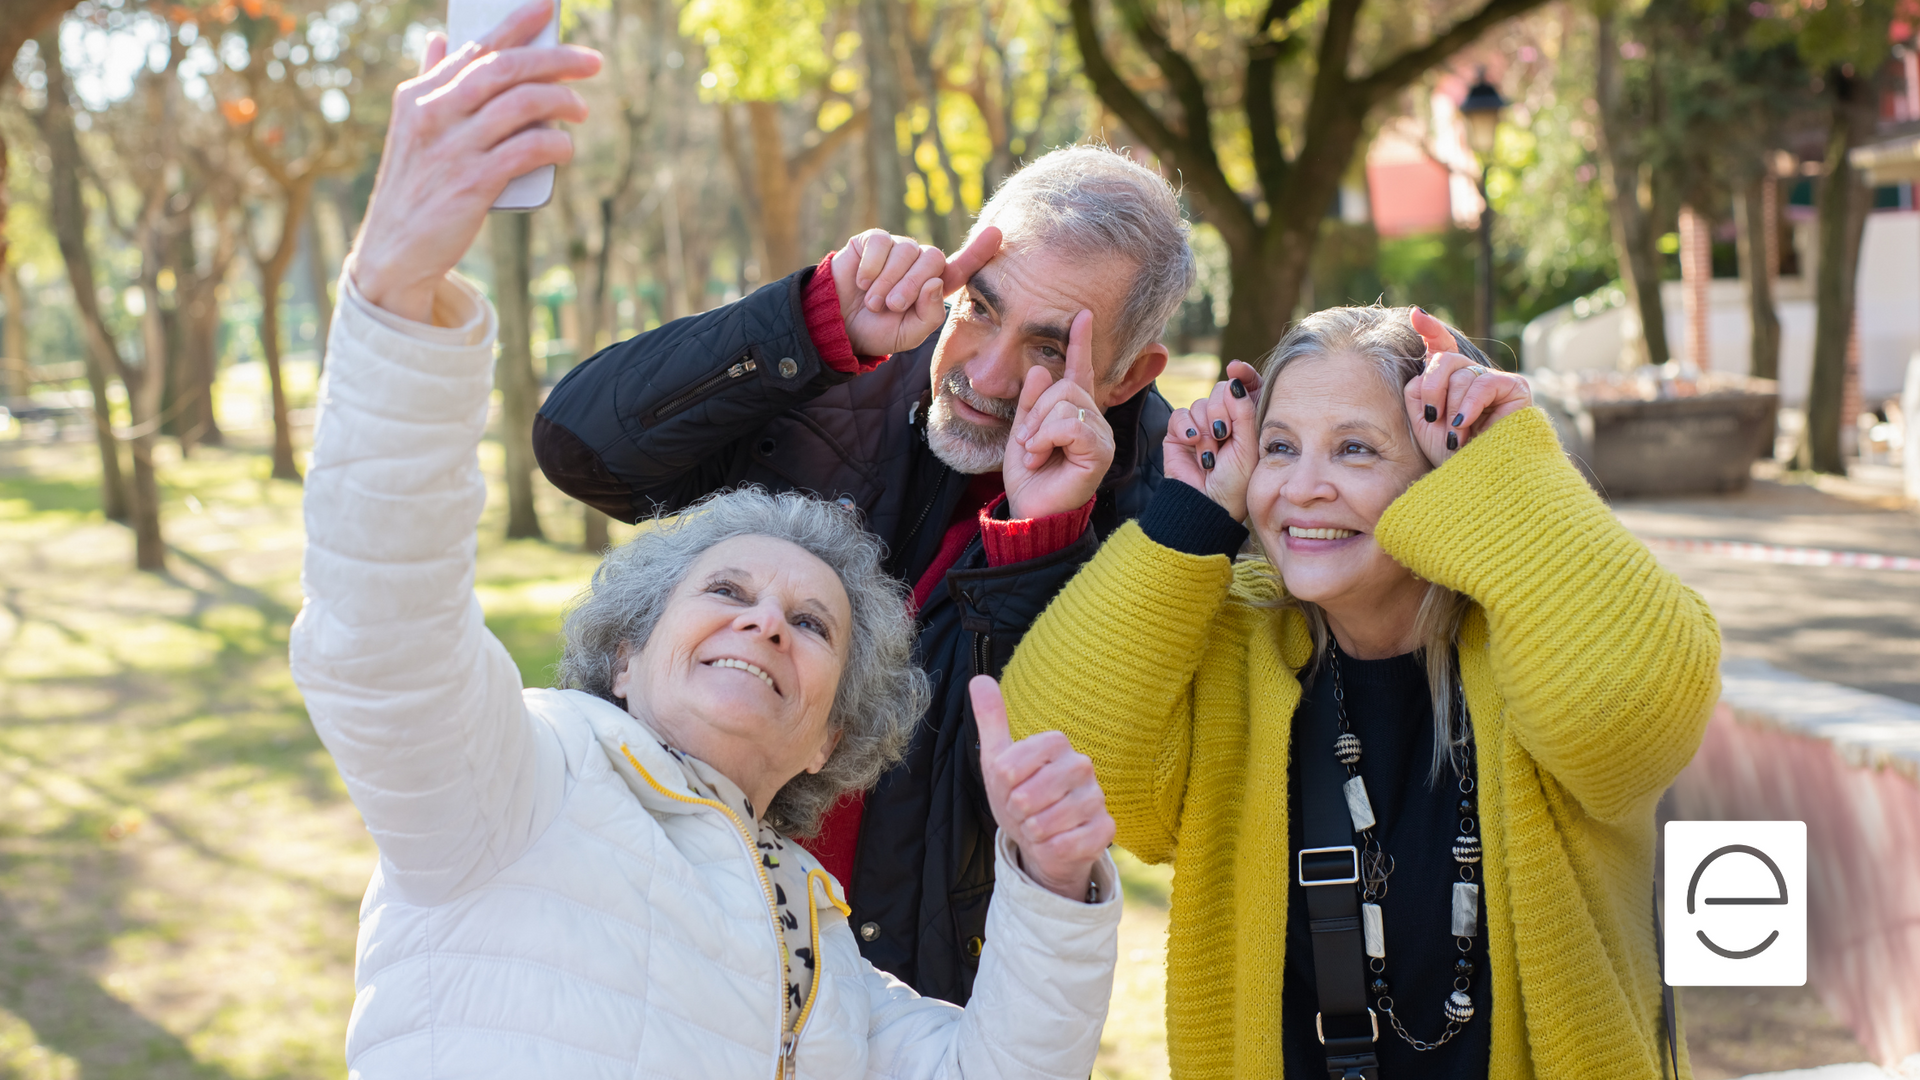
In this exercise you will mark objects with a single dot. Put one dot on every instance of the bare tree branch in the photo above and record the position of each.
(1395, 74)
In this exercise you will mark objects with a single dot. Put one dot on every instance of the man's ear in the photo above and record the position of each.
(1146, 367)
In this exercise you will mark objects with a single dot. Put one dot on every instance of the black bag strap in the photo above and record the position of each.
(1328, 866)
(1666, 992)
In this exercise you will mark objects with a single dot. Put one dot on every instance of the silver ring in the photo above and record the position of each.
(1477, 369)
(1082, 417)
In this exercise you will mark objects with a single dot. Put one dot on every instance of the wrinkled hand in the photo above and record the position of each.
(1060, 446)
(1043, 795)
(1456, 399)
(1214, 444)
(459, 133)
(891, 288)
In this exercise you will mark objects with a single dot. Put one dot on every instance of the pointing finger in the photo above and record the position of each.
(1434, 333)
(1080, 351)
(978, 253)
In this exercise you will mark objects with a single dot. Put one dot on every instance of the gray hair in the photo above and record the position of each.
(1383, 340)
(881, 694)
(1091, 201)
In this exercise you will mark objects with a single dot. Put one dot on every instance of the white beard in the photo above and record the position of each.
(964, 446)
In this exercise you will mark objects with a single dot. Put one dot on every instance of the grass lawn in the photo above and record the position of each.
(180, 868)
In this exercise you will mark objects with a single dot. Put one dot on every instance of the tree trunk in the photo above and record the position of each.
(144, 397)
(779, 195)
(512, 238)
(1753, 219)
(273, 272)
(887, 178)
(68, 214)
(594, 533)
(1696, 275)
(1620, 178)
(1844, 201)
(18, 381)
(320, 273)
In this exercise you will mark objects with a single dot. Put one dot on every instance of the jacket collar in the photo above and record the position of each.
(628, 743)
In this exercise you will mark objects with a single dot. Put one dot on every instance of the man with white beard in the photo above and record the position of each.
(963, 432)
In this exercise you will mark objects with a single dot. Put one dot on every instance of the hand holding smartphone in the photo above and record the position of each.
(471, 20)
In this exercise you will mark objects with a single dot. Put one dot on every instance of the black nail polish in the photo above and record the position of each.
(1457, 417)
(1219, 429)
(1236, 388)
(1453, 440)
(1206, 460)
(1432, 414)
(1191, 433)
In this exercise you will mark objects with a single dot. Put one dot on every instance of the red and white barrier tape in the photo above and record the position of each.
(1791, 556)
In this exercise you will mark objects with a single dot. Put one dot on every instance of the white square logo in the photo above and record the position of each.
(1736, 903)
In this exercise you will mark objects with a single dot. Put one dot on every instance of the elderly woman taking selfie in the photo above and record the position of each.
(1405, 763)
(598, 881)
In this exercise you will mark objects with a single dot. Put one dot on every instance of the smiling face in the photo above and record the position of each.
(1013, 315)
(1335, 451)
(742, 668)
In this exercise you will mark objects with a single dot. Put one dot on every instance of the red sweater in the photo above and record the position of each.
(1006, 542)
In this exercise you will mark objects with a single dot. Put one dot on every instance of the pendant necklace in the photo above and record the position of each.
(1376, 866)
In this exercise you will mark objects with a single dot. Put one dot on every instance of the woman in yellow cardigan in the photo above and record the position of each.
(1506, 675)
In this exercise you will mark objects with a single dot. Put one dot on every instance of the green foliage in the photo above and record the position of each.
(1551, 225)
(758, 50)
(1832, 34)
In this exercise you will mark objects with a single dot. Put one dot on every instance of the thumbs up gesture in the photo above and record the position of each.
(1044, 796)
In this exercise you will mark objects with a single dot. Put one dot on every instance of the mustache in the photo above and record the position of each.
(957, 384)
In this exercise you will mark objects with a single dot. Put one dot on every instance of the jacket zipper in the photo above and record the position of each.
(687, 398)
(982, 652)
(789, 1038)
(906, 545)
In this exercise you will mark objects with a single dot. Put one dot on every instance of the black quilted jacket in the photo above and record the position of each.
(739, 395)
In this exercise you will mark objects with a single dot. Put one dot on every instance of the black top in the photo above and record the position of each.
(1389, 708)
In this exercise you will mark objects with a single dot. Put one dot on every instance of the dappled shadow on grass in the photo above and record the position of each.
(180, 866)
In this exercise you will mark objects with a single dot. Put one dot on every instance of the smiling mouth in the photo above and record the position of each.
(742, 665)
(1299, 533)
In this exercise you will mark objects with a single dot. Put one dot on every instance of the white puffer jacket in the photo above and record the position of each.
(542, 906)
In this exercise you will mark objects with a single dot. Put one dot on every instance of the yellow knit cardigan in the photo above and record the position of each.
(1589, 670)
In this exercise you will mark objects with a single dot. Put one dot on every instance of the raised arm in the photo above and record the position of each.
(419, 705)
(1610, 666)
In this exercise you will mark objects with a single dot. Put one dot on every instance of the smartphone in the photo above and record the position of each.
(470, 20)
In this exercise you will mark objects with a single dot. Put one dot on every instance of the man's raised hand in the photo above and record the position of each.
(892, 288)
(1044, 796)
(469, 124)
(1060, 446)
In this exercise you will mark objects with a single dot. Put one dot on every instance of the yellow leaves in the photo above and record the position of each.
(834, 113)
(758, 50)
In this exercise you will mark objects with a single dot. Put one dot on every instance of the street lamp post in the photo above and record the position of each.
(1482, 108)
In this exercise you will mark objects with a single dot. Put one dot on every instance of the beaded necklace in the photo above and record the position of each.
(1376, 866)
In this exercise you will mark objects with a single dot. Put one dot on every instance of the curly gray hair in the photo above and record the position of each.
(882, 693)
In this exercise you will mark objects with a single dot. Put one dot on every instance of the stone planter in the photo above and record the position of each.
(1667, 445)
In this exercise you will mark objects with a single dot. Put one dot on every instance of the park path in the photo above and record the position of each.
(1846, 624)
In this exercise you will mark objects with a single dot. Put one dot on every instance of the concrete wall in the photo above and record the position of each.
(1846, 762)
(1889, 313)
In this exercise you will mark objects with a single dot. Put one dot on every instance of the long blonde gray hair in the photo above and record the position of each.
(1383, 340)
